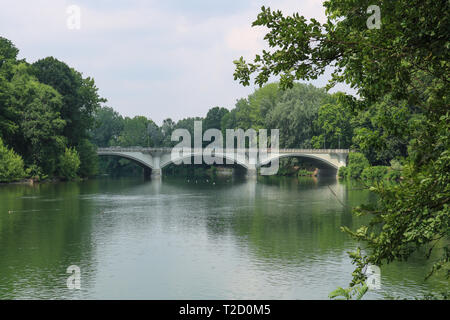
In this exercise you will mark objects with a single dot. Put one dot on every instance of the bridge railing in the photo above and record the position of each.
(195, 150)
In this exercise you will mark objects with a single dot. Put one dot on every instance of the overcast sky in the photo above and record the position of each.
(159, 59)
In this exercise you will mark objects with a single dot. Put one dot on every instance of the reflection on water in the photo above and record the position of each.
(275, 238)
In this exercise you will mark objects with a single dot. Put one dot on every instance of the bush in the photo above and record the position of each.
(69, 162)
(342, 172)
(36, 173)
(393, 175)
(11, 165)
(375, 173)
(88, 159)
(357, 162)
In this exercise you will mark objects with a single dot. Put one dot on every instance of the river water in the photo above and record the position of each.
(274, 238)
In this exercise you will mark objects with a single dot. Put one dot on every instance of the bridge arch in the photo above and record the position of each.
(220, 155)
(323, 158)
(130, 156)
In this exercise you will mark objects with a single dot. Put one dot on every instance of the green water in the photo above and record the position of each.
(274, 238)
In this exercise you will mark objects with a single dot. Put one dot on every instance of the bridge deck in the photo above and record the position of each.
(169, 150)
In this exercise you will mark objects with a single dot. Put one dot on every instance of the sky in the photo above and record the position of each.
(160, 59)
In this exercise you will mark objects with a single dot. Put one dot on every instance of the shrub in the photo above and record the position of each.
(69, 162)
(88, 159)
(342, 172)
(11, 164)
(393, 175)
(357, 162)
(375, 173)
(36, 172)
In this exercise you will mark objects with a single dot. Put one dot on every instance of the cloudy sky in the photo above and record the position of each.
(159, 58)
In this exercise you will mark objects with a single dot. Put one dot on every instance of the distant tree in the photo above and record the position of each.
(108, 126)
(139, 131)
(294, 113)
(334, 123)
(166, 131)
(214, 118)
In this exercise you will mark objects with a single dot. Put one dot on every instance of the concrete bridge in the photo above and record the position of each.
(155, 159)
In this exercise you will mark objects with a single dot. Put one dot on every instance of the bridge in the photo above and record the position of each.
(155, 159)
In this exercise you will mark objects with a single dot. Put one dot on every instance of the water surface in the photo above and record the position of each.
(275, 238)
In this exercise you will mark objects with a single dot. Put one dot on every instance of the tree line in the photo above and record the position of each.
(46, 112)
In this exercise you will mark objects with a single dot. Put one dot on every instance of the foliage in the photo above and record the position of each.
(401, 74)
(88, 159)
(334, 123)
(350, 293)
(11, 165)
(44, 108)
(138, 131)
(69, 163)
(40, 138)
(214, 117)
(343, 172)
(374, 173)
(357, 162)
(294, 113)
(80, 96)
(8, 115)
(107, 128)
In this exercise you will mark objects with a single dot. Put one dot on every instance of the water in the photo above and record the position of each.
(275, 238)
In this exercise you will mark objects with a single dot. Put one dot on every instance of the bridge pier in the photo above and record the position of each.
(252, 173)
(156, 173)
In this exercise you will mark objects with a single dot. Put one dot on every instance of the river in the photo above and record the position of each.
(274, 238)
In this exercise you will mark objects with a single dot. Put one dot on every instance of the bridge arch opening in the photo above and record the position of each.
(169, 167)
(308, 161)
(147, 169)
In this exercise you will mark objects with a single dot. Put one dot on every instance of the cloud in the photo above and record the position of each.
(152, 58)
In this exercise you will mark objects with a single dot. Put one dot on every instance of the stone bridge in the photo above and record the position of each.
(156, 159)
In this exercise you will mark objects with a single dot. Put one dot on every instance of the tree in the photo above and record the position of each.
(40, 138)
(88, 159)
(69, 162)
(8, 115)
(214, 117)
(80, 96)
(394, 60)
(107, 128)
(166, 130)
(11, 165)
(294, 113)
(334, 123)
(139, 131)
